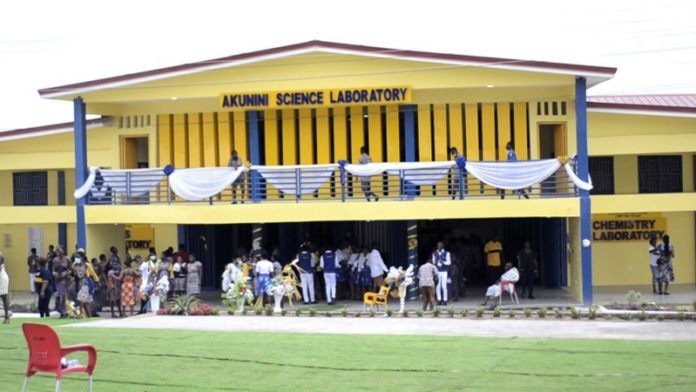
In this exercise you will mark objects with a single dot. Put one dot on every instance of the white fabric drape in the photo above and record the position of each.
(141, 181)
(585, 186)
(284, 177)
(417, 173)
(513, 175)
(202, 183)
(89, 182)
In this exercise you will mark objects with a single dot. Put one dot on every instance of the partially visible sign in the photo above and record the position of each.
(628, 227)
(139, 239)
(315, 98)
(36, 240)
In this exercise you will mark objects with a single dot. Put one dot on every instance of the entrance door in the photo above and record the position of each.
(553, 143)
(134, 152)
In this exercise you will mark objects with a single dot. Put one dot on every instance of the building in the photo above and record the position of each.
(317, 103)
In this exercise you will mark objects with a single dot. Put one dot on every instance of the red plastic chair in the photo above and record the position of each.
(45, 354)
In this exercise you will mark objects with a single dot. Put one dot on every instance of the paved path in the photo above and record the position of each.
(557, 329)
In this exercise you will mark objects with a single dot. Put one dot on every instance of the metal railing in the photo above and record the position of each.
(252, 187)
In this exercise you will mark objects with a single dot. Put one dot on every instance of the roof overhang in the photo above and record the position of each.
(51, 129)
(646, 110)
(593, 74)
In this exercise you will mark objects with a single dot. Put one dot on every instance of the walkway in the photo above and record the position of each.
(556, 329)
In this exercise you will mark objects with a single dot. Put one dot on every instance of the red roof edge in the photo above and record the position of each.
(50, 127)
(652, 108)
(609, 71)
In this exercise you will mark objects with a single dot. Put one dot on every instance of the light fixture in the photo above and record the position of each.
(489, 86)
(174, 98)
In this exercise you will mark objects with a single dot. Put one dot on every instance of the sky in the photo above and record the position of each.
(51, 43)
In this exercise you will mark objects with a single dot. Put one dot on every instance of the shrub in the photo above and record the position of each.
(557, 313)
(660, 317)
(230, 311)
(479, 311)
(372, 313)
(405, 313)
(298, 312)
(204, 310)
(268, 310)
(627, 316)
(592, 312)
(542, 312)
(165, 311)
(496, 311)
(184, 304)
(642, 316)
(258, 310)
(389, 312)
(633, 298)
(419, 313)
(283, 312)
(574, 313)
(607, 316)
(436, 311)
(312, 312)
(328, 313)
(511, 314)
(245, 310)
(357, 314)
(344, 312)
(681, 316)
(694, 305)
(527, 312)
(465, 312)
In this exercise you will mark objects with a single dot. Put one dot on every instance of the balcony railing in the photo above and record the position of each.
(321, 183)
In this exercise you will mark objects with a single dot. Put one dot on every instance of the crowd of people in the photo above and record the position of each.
(83, 286)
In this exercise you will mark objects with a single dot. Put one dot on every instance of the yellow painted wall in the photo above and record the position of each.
(574, 260)
(626, 263)
(165, 236)
(14, 245)
(100, 238)
(619, 134)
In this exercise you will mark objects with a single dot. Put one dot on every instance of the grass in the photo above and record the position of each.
(171, 360)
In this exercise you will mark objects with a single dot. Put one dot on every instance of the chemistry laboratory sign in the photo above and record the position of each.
(628, 227)
(315, 98)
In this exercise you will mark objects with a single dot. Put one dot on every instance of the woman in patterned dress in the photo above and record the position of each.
(194, 276)
(128, 277)
(179, 276)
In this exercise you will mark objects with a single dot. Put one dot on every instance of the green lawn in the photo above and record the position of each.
(147, 360)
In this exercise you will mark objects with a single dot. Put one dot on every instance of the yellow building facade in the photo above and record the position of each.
(261, 105)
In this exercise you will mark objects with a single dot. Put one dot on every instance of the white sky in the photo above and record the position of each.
(50, 43)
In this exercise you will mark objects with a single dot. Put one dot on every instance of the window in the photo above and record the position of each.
(660, 174)
(30, 188)
(602, 173)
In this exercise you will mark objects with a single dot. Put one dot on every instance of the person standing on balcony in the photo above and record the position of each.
(235, 162)
(365, 180)
(494, 254)
(33, 264)
(329, 263)
(512, 157)
(528, 267)
(455, 175)
(307, 263)
(377, 267)
(442, 260)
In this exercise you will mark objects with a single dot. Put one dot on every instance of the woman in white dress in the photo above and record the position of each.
(4, 289)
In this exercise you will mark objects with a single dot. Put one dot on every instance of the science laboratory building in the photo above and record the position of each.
(297, 116)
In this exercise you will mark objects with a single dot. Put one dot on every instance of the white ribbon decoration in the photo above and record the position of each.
(89, 182)
(417, 173)
(284, 177)
(585, 186)
(513, 175)
(142, 181)
(202, 183)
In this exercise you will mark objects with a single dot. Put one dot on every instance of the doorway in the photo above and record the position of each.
(134, 152)
(553, 143)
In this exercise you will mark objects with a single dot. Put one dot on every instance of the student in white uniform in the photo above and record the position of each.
(264, 270)
(329, 264)
(307, 262)
(377, 267)
(441, 260)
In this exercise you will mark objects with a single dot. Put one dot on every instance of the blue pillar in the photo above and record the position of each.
(410, 142)
(80, 134)
(254, 153)
(412, 255)
(583, 173)
(62, 227)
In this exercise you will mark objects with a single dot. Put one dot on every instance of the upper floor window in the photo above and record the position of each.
(30, 188)
(602, 174)
(660, 174)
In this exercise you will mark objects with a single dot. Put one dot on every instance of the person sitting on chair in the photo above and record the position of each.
(506, 282)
